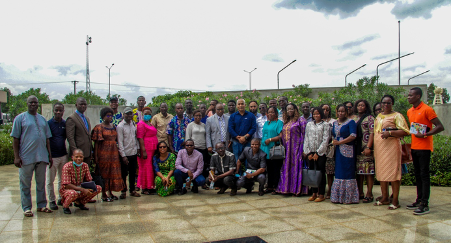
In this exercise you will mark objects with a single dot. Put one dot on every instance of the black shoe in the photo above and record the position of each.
(67, 211)
(183, 191)
(53, 205)
(249, 190)
(422, 209)
(223, 189)
(59, 203)
(195, 189)
(233, 192)
(81, 206)
(413, 206)
(261, 193)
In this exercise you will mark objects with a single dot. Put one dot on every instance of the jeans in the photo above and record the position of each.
(180, 178)
(25, 176)
(238, 149)
(206, 158)
(129, 170)
(421, 161)
(248, 183)
(57, 168)
(321, 166)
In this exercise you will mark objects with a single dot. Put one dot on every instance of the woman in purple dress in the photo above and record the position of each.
(293, 140)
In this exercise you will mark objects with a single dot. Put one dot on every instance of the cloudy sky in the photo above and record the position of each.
(165, 46)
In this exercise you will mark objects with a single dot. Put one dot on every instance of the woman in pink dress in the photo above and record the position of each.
(147, 137)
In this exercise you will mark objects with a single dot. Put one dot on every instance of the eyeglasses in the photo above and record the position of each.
(386, 103)
(349, 107)
(163, 147)
(109, 116)
(189, 145)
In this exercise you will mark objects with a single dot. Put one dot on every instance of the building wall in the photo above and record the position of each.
(444, 114)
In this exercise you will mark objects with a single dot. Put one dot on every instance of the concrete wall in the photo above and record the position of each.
(92, 112)
(444, 114)
(315, 91)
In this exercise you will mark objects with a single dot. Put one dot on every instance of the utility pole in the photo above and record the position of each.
(281, 71)
(109, 79)
(399, 52)
(88, 79)
(75, 86)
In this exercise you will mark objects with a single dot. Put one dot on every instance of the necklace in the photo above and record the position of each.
(81, 174)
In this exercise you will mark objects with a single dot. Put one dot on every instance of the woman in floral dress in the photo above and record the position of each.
(164, 166)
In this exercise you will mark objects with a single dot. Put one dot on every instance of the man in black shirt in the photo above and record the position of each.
(222, 166)
(254, 169)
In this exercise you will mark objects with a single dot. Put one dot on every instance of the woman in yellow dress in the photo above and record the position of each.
(389, 127)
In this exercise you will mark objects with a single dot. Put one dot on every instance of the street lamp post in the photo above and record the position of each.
(281, 71)
(88, 78)
(354, 71)
(250, 77)
(377, 68)
(408, 81)
(109, 80)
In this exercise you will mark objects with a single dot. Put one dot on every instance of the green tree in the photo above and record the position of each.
(18, 103)
(91, 98)
(431, 94)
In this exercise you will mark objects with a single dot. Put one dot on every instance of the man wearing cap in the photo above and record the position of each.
(117, 116)
(128, 150)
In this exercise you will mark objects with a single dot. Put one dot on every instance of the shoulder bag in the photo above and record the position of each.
(277, 152)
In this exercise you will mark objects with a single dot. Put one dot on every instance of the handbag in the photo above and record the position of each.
(406, 152)
(89, 185)
(311, 178)
(277, 152)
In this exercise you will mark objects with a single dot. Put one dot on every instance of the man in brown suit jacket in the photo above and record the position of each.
(78, 131)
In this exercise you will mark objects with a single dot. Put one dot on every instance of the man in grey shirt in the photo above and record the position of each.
(255, 167)
(222, 168)
(32, 153)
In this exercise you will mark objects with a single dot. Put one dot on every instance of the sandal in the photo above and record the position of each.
(367, 199)
(28, 213)
(393, 207)
(205, 187)
(274, 192)
(146, 192)
(378, 198)
(327, 197)
(108, 199)
(379, 203)
(123, 195)
(114, 197)
(44, 210)
(135, 194)
(269, 190)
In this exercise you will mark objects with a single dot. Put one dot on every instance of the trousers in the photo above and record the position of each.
(248, 183)
(180, 178)
(421, 161)
(25, 176)
(129, 170)
(57, 168)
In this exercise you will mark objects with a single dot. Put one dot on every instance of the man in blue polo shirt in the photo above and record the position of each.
(31, 135)
(242, 125)
(59, 153)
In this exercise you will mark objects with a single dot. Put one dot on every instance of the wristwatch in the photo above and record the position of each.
(389, 133)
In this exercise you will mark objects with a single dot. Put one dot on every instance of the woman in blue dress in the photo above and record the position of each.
(344, 188)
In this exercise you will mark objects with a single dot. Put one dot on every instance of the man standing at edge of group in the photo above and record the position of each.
(160, 121)
(212, 109)
(57, 127)
(32, 153)
(422, 146)
(117, 116)
(216, 129)
(189, 110)
(261, 120)
(283, 102)
(253, 108)
(128, 150)
(176, 129)
(78, 131)
(138, 112)
(306, 111)
(242, 125)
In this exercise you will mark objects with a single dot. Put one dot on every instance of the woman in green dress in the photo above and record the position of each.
(164, 166)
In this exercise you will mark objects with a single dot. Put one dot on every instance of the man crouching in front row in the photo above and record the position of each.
(74, 174)
(223, 163)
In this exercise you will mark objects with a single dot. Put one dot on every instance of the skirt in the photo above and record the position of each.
(365, 165)
(344, 191)
(330, 166)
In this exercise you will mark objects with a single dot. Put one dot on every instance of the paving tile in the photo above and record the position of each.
(199, 210)
(289, 236)
(319, 207)
(268, 226)
(308, 221)
(369, 225)
(436, 231)
(167, 225)
(333, 232)
(152, 214)
(128, 238)
(29, 224)
(341, 215)
(405, 219)
(403, 235)
(205, 220)
(222, 199)
(71, 220)
(179, 236)
(106, 218)
(188, 203)
(224, 232)
(131, 228)
(267, 203)
(3, 223)
(233, 207)
(285, 212)
(75, 232)
(249, 216)
(25, 236)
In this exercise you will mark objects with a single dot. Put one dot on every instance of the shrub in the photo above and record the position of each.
(6, 149)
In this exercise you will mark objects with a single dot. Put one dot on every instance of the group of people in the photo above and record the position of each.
(212, 149)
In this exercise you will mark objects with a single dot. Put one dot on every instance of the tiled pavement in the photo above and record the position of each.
(208, 217)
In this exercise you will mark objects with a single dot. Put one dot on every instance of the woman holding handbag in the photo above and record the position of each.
(315, 147)
(270, 136)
